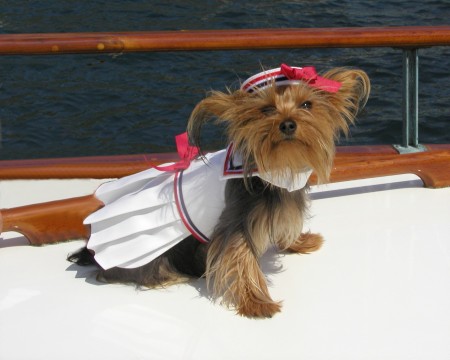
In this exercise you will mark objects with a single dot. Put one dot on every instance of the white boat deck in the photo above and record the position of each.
(378, 289)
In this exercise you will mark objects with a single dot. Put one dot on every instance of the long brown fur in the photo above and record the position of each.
(258, 214)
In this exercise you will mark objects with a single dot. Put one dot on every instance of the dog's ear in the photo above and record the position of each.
(217, 106)
(351, 97)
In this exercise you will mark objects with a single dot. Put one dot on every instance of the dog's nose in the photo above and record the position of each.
(288, 127)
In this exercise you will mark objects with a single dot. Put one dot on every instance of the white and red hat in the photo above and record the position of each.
(287, 75)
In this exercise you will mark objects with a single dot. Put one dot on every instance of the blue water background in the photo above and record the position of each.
(81, 105)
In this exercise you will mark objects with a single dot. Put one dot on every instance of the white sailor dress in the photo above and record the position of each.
(147, 213)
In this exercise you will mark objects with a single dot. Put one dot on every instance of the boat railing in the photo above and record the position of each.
(407, 39)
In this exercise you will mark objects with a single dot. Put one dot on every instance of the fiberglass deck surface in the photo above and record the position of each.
(378, 289)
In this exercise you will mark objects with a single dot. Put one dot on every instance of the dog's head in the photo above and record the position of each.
(284, 121)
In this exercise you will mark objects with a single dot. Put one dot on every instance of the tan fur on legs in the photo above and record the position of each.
(306, 243)
(233, 272)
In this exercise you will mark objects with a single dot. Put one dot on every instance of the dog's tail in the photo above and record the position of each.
(82, 257)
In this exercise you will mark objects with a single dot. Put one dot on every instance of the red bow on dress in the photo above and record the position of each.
(186, 153)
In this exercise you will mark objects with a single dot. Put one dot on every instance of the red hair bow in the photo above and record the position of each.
(309, 75)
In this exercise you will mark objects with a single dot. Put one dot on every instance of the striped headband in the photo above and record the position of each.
(286, 75)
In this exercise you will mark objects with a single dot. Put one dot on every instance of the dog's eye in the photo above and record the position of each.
(306, 105)
(268, 110)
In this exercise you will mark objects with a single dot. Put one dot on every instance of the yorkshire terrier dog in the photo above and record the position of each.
(216, 214)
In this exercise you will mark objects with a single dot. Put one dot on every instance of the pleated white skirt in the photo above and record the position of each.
(147, 213)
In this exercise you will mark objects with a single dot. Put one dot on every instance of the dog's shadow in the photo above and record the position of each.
(86, 272)
(270, 264)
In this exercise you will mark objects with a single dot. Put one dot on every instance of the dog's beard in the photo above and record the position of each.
(289, 158)
(288, 163)
(286, 177)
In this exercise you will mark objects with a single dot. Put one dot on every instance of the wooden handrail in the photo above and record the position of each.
(351, 163)
(200, 40)
(62, 220)
(51, 222)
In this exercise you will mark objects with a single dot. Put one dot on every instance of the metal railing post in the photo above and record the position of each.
(410, 103)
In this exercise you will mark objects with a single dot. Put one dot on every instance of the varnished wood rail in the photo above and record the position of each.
(351, 163)
(202, 40)
(432, 166)
(62, 220)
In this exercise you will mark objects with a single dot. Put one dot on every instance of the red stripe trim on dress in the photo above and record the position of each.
(179, 201)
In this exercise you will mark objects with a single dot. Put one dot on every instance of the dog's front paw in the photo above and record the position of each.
(307, 243)
(259, 310)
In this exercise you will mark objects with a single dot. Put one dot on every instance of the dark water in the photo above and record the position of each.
(76, 105)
